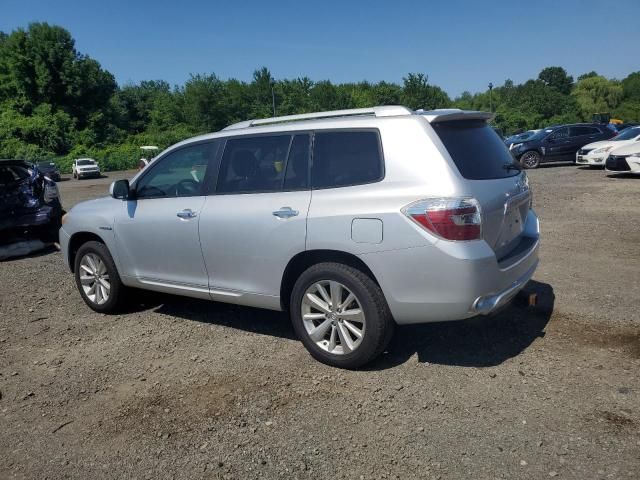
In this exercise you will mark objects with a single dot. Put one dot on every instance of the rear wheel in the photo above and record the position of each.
(530, 159)
(97, 278)
(340, 315)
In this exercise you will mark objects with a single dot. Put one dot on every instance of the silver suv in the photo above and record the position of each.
(352, 221)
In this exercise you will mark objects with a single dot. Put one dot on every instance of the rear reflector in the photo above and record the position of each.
(456, 219)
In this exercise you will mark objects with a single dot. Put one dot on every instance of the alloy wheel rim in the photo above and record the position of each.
(333, 317)
(529, 160)
(94, 279)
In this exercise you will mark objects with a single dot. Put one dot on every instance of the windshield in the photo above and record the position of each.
(46, 164)
(86, 162)
(476, 150)
(628, 134)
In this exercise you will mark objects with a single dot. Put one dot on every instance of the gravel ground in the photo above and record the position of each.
(180, 388)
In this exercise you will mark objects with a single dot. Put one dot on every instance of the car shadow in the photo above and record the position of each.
(26, 248)
(556, 164)
(256, 320)
(623, 175)
(476, 342)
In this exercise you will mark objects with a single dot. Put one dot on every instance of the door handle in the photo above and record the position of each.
(285, 212)
(186, 213)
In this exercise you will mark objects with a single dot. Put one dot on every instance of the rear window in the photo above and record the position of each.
(12, 173)
(476, 149)
(346, 158)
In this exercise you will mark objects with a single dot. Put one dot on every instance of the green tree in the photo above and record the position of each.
(417, 93)
(597, 94)
(557, 77)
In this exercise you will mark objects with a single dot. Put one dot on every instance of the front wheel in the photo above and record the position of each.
(530, 159)
(340, 315)
(97, 278)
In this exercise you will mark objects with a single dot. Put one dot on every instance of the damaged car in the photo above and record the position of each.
(30, 204)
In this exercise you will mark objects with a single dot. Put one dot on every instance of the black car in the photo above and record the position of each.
(559, 143)
(29, 203)
(50, 170)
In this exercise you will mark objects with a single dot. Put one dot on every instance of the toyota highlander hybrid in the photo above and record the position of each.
(352, 221)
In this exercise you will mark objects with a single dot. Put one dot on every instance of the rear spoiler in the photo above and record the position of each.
(451, 114)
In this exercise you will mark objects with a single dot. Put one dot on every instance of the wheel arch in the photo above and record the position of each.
(303, 260)
(76, 241)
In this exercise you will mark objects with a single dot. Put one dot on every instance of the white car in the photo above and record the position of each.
(625, 159)
(595, 154)
(85, 167)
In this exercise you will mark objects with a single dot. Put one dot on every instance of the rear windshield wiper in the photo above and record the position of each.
(511, 166)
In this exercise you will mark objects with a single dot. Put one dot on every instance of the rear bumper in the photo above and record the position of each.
(452, 281)
(490, 303)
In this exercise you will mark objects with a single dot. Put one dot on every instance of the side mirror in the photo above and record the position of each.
(120, 189)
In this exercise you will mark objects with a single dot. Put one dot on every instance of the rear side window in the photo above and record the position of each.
(476, 150)
(254, 164)
(346, 158)
(582, 130)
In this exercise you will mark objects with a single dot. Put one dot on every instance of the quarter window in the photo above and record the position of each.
(254, 164)
(179, 174)
(581, 130)
(346, 158)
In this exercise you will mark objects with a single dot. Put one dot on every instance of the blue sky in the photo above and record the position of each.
(460, 45)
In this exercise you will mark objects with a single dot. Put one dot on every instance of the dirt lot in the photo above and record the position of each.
(179, 388)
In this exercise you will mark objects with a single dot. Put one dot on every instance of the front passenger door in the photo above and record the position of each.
(558, 145)
(157, 230)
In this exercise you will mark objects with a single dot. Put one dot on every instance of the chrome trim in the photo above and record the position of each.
(487, 304)
(285, 212)
(187, 213)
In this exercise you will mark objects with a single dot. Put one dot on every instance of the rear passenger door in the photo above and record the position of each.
(581, 135)
(255, 222)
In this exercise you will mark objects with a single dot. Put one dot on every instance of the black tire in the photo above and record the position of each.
(379, 322)
(530, 159)
(117, 292)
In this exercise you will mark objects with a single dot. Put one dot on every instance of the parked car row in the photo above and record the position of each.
(559, 143)
(593, 144)
(620, 154)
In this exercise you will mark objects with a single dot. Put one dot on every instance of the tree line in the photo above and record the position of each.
(57, 103)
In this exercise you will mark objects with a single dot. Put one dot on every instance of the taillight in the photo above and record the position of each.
(449, 218)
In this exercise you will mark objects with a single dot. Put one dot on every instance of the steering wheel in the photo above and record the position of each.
(187, 186)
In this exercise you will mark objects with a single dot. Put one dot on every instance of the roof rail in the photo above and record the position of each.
(447, 114)
(384, 111)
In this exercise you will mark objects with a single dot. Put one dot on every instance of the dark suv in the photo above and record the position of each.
(559, 143)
